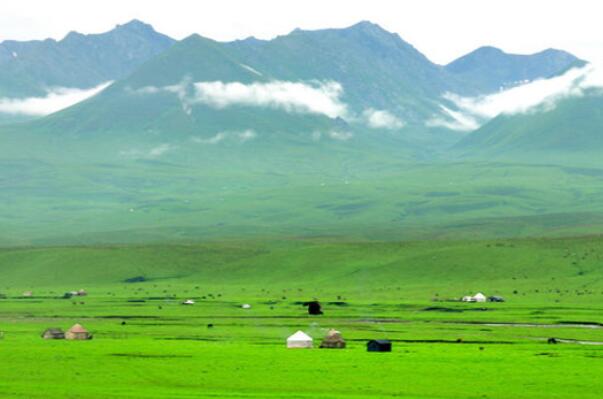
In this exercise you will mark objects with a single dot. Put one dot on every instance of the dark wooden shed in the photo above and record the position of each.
(314, 308)
(379, 345)
(53, 333)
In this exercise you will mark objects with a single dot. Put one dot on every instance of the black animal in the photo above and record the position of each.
(552, 341)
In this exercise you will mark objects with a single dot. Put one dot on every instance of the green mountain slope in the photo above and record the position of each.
(571, 132)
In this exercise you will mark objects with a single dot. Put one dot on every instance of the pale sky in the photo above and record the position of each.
(441, 29)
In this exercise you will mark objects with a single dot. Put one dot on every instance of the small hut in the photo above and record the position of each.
(82, 292)
(246, 306)
(78, 332)
(299, 340)
(53, 333)
(495, 298)
(479, 297)
(379, 345)
(27, 294)
(333, 340)
(188, 302)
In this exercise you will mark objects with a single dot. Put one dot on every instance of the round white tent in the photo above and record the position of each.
(479, 297)
(299, 340)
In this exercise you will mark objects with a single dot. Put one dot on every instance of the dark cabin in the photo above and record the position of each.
(53, 333)
(379, 345)
(314, 308)
(496, 299)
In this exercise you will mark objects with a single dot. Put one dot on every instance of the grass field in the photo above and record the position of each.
(147, 345)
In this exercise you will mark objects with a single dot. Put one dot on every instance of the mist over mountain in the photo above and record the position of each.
(338, 83)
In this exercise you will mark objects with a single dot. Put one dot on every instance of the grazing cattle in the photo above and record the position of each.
(552, 341)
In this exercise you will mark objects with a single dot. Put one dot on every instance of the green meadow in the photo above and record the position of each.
(147, 345)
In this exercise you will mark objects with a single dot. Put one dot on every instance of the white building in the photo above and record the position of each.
(479, 297)
(299, 340)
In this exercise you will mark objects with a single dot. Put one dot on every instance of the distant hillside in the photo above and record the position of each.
(80, 61)
(572, 131)
(489, 69)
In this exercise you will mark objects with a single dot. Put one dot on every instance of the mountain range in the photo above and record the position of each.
(30, 68)
(309, 132)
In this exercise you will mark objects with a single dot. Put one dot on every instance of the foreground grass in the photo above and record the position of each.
(147, 345)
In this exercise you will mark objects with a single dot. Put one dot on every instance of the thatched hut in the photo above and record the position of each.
(78, 332)
(53, 333)
(333, 340)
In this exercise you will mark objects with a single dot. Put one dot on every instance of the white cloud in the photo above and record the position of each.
(57, 99)
(453, 120)
(332, 134)
(381, 119)
(241, 136)
(160, 150)
(537, 96)
(321, 98)
(250, 69)
(247, 135)
(212, 140)
(339, 135)
(151, 153)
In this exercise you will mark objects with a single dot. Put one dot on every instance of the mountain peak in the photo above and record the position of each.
(492, 69)
(135, 25)
(367, 26)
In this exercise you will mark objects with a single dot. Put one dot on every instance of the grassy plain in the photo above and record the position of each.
(147, 345)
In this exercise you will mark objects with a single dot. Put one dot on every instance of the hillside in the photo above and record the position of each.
(569, 133)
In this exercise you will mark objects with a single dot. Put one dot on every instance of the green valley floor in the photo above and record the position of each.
(148, 345)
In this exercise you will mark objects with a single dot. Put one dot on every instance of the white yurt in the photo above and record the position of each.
(246, 306)
(299, 340)
(479, 297)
